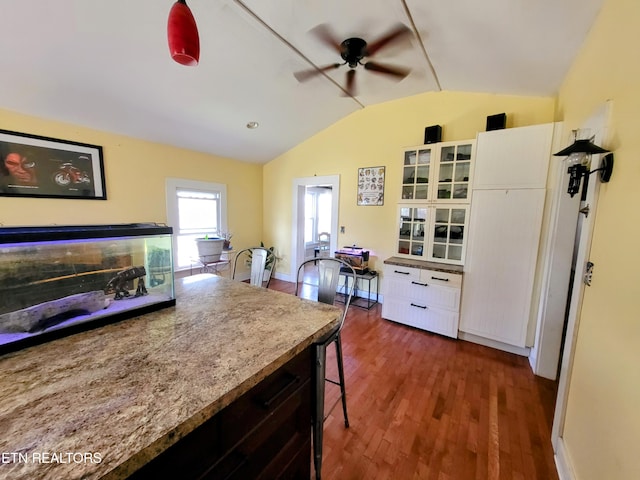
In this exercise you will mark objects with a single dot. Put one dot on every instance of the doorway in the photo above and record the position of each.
(568, 250)
(303, 228)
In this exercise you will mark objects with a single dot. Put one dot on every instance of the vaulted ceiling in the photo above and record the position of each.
(105, 64)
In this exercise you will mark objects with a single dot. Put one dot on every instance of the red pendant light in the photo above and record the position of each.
(182, 32)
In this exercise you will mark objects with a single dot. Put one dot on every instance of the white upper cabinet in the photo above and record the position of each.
(434, 210)
(440, 172)
(513, 157)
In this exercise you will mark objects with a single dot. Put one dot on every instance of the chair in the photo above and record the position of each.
(324, 240)
(329, 271)
(322, 248)
(259, 258)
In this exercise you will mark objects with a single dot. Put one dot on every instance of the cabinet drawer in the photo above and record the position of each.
(435, 277)
(268, 450)
(422, 275)
(424, 293)
(270, 421)
(242, 415)
(400, 273)
(418, 315)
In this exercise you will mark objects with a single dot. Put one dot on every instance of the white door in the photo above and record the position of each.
(501, 263)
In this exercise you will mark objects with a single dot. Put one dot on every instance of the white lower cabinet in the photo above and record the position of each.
(422, 298)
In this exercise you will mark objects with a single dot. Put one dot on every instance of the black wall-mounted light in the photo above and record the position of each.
(579, 154)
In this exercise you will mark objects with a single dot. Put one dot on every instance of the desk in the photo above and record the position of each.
(364, 277)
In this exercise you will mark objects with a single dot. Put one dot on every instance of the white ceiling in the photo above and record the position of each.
(105, 64)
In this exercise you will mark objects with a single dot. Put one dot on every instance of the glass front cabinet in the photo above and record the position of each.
(440, 172)
(433, 232)
(434, 210)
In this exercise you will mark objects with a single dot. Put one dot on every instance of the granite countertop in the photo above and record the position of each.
(102, 403)
(424, 265)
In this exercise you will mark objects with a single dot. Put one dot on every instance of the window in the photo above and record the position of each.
(194, 209)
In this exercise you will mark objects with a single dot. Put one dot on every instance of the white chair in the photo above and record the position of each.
(324, 240)
(259, 257)
(321, 285)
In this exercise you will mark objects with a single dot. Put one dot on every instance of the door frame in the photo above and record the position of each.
(297, 227)
(598, 124)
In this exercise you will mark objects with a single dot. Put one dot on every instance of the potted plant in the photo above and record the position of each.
(209, 248)
(226, 236)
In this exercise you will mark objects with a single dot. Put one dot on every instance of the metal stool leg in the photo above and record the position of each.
(318, 407)
(343, 391)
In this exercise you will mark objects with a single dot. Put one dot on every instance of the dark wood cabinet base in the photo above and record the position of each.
(265, 434)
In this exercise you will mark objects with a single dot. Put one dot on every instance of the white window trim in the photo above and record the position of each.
(172, 185)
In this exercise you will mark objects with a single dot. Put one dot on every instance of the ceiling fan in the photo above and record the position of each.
(353, 51)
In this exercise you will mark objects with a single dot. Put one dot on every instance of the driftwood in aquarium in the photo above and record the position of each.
(73, 275)
(47, 314)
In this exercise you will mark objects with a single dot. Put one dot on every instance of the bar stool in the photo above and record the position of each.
(329, 270)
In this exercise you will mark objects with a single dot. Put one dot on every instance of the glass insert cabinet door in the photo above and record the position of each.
(411, 235)
(454, 172)
(449, 233)
(415, 173)
(433, 232)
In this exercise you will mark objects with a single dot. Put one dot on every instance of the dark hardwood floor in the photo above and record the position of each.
(422, 406)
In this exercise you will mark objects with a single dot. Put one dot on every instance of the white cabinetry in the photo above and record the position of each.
(422, 298)
(434, 210)
(505, 223)
(440, 172)
(501, 263)
(513, 158)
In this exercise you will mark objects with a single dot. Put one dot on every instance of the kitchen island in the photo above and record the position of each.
(106, 402)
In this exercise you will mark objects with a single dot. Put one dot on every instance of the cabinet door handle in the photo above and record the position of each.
(293, 379)
(403, 273)
(421, 284)
(243, 461)
(424, 307)
(441, 279)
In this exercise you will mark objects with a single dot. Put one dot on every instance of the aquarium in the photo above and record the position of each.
(59, 280)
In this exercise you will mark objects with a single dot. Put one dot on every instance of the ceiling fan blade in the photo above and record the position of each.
(398, 72)
(396, 34)
(350, 87)
(325, 34)
(304, 75)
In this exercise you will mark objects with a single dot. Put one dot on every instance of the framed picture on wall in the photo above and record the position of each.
(371, 186)
(35, 166)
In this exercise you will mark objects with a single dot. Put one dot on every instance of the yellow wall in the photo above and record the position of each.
(603, 418)
(372, 137)
(602, 429)
(135, 173)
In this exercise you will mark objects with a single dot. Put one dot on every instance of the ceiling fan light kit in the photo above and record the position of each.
(182, 33)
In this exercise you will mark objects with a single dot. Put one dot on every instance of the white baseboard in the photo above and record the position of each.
(487, 342)
(563, 462)
(284, 277)
(533, 357)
